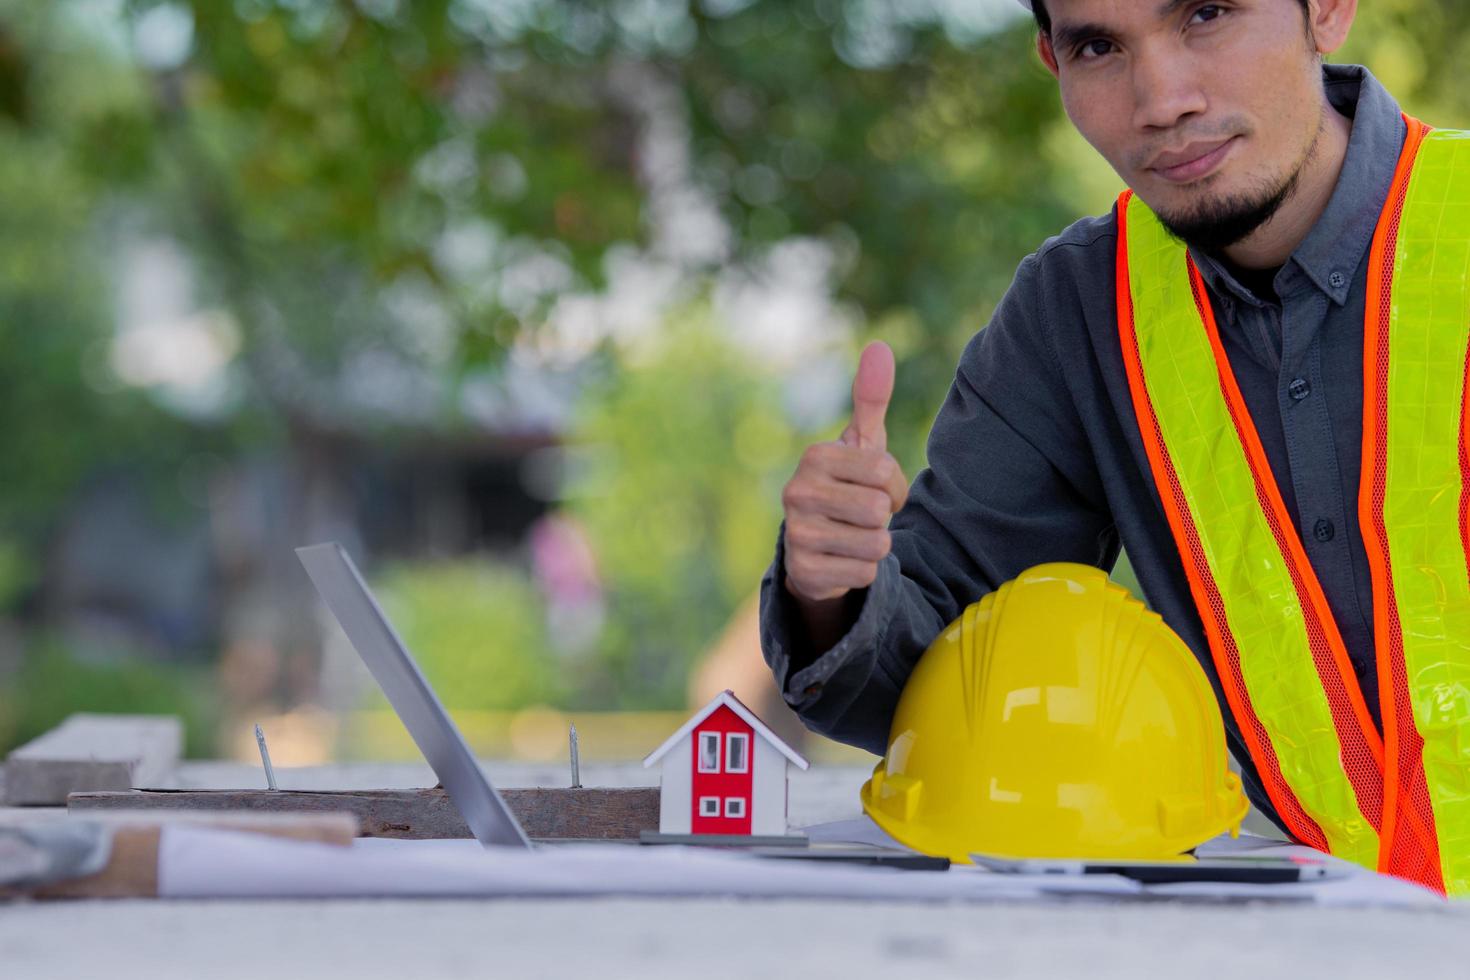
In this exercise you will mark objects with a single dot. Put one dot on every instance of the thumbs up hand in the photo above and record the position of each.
(840, 499)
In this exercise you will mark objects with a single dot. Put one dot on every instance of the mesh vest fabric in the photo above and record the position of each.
(1403, 806)
(1413, 504)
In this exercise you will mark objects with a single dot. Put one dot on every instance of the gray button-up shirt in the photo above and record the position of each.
(1035, 454)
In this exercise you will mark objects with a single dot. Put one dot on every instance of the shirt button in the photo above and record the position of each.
(1299, 389)
(1324, 531)
(1338, 280)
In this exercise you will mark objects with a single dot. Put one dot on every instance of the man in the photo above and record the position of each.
(1214, 409)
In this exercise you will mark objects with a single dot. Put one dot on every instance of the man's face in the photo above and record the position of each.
(1208, 110)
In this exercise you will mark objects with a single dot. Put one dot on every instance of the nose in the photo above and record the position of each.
(1166, 87)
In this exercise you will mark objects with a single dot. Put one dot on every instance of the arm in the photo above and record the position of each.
(1010, 484)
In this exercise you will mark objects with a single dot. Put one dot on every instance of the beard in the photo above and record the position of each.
(1219, 223)
(1216, 224)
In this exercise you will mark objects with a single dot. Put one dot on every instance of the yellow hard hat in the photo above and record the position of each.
(1057, 717)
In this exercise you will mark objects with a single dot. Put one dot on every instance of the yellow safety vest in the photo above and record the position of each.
(1400, 803)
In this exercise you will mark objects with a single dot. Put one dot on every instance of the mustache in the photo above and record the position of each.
(1224, 129)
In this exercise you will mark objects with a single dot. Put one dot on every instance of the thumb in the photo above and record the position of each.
(871, 390)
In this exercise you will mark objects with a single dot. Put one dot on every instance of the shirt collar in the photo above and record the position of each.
(1330, 254)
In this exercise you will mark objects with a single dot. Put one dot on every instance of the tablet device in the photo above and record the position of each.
(1244, 870)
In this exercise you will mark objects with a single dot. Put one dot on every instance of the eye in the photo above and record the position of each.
(1209, 12)
(1092, 50)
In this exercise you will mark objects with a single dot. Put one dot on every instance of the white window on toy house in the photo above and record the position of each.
(734, 806)
(709, 751)
(709, 806)
(737, 752)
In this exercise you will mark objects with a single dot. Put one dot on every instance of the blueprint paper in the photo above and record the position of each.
(197, 863)
(205, 863)
(1356, 887)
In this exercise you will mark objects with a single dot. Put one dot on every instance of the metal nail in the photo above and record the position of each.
(265, 759)
(576, 774)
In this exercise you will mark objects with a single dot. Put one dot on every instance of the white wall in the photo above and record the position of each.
(768, 792)
(673, 799)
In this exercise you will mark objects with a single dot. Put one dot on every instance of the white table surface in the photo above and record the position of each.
(704, 938)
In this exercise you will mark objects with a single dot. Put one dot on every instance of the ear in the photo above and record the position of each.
(1330, 21)
(1044, 49)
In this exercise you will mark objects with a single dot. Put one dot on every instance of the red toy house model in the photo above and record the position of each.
(724, 772)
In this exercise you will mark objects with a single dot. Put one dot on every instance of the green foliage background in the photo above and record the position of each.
(312, 156)
(477, 630)
(680, 498)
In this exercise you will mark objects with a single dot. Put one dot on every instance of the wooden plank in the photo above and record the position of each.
(93, 752)
(132, 867)
(586, 813)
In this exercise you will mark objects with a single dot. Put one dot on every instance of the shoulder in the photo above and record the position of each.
(1034, 363)
(1087, 246)
(1057, 291)
(1057, 288)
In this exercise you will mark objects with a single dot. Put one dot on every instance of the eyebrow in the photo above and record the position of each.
(1065, 37)
(1068, 36)
(1169, 6)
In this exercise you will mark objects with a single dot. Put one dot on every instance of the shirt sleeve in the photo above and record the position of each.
(1011, 483)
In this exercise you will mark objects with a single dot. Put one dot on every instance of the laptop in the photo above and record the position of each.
(434, 732)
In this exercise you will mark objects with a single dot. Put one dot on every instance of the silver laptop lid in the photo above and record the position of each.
(352, 603)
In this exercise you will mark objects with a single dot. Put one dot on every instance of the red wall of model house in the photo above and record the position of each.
(722, 785)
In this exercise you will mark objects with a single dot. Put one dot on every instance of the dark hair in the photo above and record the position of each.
(1043, 19)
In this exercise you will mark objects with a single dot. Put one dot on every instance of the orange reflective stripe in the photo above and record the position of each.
(1375, 453)
(1202, 584)
(1465, 464)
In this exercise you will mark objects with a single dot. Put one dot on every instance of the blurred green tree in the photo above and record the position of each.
(489, 155)
(55, 682)
(677, 469)
(321, 160)
(477, 629)
(67, 416)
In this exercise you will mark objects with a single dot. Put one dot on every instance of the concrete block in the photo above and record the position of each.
(93, 752)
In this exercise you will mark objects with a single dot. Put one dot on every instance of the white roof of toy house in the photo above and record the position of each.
(729, 700)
